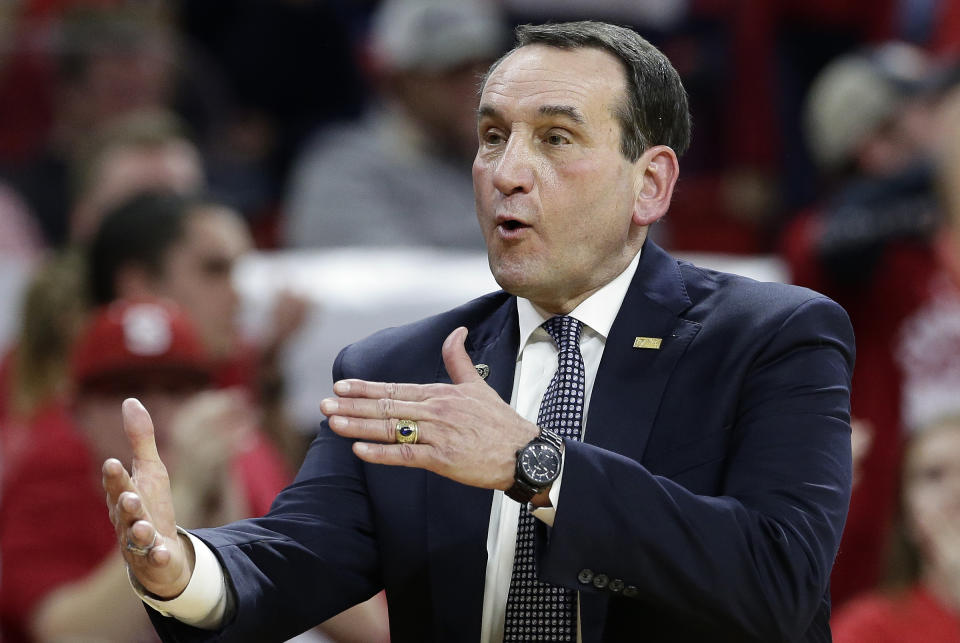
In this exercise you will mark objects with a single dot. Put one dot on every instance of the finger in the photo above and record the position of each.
(116, 480)
(144, 534)
(401, 455)
(138, 427)
(388, 390)
(382, 408)
(379, 430)
(130, 509)
(459, 365)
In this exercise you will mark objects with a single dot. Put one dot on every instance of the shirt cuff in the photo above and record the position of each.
(547, 514)
(203, 602)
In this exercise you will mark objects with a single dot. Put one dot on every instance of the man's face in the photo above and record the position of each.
(554, 193)
(198, 274)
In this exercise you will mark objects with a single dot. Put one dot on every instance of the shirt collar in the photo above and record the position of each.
(596, 311)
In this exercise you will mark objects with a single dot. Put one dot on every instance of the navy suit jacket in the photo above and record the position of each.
(706, 503)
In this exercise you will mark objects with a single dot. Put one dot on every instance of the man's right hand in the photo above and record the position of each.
(141, 509)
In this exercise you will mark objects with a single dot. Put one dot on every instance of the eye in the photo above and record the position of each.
(492, 137)
(557, 139)
(931, 474)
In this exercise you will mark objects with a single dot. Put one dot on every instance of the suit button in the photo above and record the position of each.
(600, 581)
(585, 576)
(616, 585)
(630, 591)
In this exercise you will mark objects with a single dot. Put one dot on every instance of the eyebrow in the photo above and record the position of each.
(563, 110)
(488, 111)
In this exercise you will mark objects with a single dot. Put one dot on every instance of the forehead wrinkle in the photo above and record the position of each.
(549, 101)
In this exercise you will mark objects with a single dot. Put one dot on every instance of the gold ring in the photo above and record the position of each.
(407, 432)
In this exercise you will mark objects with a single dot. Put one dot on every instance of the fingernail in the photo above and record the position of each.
(360, 448)
(329, 405)
(341, 388)
(131, 502)
(338, 421)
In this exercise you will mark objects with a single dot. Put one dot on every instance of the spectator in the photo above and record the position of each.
(33, 373)
(872, 122)
(161, 244)
(55, 590)
(928, 344)
(144, 150)
(923, 602)
(401, 176)
(110, 62)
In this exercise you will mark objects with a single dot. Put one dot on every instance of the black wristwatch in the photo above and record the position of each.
(538, 465)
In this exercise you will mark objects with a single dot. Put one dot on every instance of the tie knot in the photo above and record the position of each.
(565, 331)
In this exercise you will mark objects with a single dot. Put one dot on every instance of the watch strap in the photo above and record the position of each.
(552, 437)
(521, 491)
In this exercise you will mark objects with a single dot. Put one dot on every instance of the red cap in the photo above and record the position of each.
(137, 344)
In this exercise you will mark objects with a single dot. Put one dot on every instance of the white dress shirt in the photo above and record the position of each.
(203, 602)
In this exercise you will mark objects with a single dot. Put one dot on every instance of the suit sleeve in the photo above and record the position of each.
(312, 556)
(754, 558)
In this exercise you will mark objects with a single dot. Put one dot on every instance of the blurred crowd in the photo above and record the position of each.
(146, 147)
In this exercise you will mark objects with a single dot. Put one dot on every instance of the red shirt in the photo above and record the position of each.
(55, 487)
(914, 616)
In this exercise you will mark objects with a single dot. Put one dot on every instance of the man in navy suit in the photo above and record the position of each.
(700, 493)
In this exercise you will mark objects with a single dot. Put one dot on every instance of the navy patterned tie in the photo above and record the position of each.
(537, 611)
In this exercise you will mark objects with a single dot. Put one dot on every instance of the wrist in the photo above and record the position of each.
(542, 499)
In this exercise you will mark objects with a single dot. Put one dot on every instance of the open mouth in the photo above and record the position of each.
(512, 224)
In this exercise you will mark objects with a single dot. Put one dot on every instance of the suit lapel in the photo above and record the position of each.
(459, 516)
(630, 381)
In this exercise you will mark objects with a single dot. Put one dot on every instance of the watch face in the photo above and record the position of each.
(540, 463)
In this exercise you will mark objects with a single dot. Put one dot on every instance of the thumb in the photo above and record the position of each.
(138, 428)
(455, 358)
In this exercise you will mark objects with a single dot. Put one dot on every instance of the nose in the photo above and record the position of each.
(514, 173)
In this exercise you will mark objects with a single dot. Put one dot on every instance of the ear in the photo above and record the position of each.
(656, 174)
(133, 281)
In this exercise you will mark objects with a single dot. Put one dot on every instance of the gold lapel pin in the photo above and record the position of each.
(647, 342)
(482, 370)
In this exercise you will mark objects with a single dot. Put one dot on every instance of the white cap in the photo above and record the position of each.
(855, 95)
(433, 35)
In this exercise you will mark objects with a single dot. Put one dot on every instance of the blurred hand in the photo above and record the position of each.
(141, 510)
(289, 312)
(206, 434)
(861, 437)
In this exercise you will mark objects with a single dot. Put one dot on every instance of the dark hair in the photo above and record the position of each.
(138, 232)
(655, 110)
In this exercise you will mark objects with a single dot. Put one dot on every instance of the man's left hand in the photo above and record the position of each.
(466, 431)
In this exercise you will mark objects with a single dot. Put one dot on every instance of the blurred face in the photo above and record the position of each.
(932, 483)
(127, 170)
(444, 103)
(118, 82)
(198, 274)
(102, 423)
(900, 142)
(555, 196)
